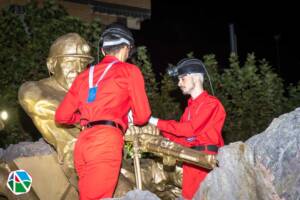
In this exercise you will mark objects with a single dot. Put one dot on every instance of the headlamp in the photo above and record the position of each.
(187, 66)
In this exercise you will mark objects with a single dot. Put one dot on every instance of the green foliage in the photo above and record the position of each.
(252, 95)
(294, 97)
(162, 103)
(143, 61)
(167, 103)
(25, 41)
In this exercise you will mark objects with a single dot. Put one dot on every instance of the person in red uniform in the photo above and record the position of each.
(200, 125)
(100, 99)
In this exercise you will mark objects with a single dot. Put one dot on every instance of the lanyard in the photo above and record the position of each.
(93, 88)
(91, 74)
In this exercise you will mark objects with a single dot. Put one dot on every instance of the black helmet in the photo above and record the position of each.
(116, 34)
(187, 66)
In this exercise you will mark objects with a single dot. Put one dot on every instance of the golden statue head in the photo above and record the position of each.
(69, 55)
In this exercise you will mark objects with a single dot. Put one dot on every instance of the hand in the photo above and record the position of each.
(153, 120)
(133, 130)
(132, 133)
(150, 129)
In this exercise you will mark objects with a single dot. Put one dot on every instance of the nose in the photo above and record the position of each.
(78, 69)
(79, 66)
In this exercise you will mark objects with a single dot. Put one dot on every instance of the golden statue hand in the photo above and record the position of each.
(132, 131)
(44, 108)
(150, 129)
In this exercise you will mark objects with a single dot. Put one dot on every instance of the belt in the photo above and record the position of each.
(104, 122)
(213, 148)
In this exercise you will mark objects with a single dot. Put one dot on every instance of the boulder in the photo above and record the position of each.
(267, 166)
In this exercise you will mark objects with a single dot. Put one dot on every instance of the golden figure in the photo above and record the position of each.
(68, 56)
(165, 183)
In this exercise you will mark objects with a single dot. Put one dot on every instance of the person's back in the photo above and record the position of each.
(115, 93)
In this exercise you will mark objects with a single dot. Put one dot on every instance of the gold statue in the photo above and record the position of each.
(68, 56)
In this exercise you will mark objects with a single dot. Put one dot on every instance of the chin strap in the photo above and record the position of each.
(211, 87)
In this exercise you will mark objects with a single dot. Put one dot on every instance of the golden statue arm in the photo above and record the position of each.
(42, 111)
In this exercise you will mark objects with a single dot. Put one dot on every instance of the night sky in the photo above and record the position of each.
(177, 28)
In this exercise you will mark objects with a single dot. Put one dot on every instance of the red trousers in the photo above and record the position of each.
(97, 158)
(192, 178)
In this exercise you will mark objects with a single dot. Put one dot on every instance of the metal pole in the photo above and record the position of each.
(136, 162)
(233, 40)
(277, 38)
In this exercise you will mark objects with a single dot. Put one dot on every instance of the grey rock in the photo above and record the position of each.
(138, 194)
(1, 153)
(25, 149)
(236, 178)
(278, 150)
(266, 167)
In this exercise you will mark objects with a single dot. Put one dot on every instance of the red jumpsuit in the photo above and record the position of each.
(98, 150)
(200, 124)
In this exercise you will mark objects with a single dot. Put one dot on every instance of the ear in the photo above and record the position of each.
(102, 51)
(51, 62)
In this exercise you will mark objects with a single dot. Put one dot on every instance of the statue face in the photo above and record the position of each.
(67, 68)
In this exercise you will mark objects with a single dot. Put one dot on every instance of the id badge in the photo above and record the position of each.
(191, 139)
(92, 94)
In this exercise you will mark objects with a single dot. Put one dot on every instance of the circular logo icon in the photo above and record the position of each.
(19, 182)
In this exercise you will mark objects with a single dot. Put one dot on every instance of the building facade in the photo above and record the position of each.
(129, 12)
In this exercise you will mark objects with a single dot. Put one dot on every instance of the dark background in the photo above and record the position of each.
(177, 28)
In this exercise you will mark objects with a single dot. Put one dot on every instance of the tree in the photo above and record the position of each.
(162, 103)
(25, 41)
(293, 100)
(252, 95)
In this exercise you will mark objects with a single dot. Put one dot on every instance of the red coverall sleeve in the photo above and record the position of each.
(188, 129)
(67, 111)
(138, 98)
